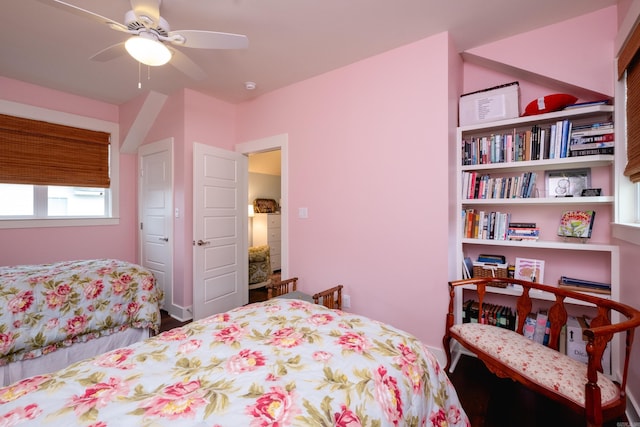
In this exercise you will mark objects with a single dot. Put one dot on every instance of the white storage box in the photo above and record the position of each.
(489, 105)
(577, 345)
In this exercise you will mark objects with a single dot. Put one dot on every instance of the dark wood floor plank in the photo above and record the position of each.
(490, 401)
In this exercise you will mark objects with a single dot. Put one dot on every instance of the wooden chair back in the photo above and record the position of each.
(281, 287)
(330, 298)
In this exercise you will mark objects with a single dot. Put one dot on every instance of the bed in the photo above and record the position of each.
(281, 362)
(52, 315)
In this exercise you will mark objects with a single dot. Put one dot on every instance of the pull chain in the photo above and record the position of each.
(140, 74)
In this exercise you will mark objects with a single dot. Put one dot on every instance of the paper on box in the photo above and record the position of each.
(577, 344)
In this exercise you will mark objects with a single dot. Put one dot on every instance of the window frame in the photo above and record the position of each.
(626, 224)
(69, 119)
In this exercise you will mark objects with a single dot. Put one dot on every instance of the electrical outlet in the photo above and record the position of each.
(346, 301)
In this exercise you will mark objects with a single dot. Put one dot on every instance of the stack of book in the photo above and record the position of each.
(574, 284)
(523, 231)
(592, 139)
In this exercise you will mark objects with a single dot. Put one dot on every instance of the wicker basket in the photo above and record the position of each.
(485, 269)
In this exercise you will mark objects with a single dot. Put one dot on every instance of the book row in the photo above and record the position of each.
(492, 314)
(485, 225)
(477, 186)
(539, 143)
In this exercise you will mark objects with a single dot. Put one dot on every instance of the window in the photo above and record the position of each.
(629, 71)
(627, 215)
(85, 191)
(21, 201)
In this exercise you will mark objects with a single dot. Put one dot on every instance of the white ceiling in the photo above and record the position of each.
(267, 163)
(289, 40)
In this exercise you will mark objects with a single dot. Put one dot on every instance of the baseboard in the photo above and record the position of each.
(181, 314)
(633, 410)
(439, 354)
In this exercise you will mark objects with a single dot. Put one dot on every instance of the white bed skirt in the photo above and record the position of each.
(63, 357)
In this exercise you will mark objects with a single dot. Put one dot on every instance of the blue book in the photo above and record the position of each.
(566, 131)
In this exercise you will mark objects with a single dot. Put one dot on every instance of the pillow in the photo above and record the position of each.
(259, 264)
(549, 103)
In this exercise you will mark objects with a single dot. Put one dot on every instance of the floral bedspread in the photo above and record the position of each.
(49, 306)
(278, 363)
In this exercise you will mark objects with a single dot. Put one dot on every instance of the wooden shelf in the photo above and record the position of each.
(544, 244)
(548, 164)
(542, 201)
(536, 294)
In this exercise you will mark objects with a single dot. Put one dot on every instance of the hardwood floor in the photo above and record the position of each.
(167, 322)
(490, 401)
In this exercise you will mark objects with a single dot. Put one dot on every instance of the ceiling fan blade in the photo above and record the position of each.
(184, 64)
(201, 39)
(86, 14)
(107, 54)
(147, 8)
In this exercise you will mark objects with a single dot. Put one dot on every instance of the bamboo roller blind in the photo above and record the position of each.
(629, 60)
(42, 153)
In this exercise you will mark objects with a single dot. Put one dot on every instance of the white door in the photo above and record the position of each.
(220, 259)
(156, 213)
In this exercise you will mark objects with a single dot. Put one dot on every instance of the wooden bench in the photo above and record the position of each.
(508, 354)
(330, 298)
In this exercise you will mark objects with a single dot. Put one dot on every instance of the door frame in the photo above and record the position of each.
(276, 142)
(153, 147)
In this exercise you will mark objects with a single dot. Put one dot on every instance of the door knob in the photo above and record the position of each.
(202, 243)
(163, 239)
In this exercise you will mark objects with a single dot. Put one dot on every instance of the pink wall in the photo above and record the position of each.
(38, 96)
(41, 245)
(190, 117)
(578, 51)
(629, 294)
(368, 157)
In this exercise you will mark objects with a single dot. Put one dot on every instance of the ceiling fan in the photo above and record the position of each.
(152, 40)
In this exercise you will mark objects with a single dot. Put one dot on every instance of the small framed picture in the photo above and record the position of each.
(591, 192)
(531, 270)
(568, 182)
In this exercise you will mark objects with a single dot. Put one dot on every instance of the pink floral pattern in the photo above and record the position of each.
(272, 364)
(47, 307)
(542, 365)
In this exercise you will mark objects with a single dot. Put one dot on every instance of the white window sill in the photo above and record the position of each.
(628, 232)
(58, 222)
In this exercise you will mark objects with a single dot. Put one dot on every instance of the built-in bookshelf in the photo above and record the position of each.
(521, 147)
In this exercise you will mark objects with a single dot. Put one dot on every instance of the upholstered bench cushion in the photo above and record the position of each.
(542, 365)
(297, 295)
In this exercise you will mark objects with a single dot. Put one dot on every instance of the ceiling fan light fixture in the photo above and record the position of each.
(145, 48)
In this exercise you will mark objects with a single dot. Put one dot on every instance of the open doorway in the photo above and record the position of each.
(265, 183)
(265, 225)
(268, 179)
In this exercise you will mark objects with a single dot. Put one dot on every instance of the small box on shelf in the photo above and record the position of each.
(491, 104)
(487, 269)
